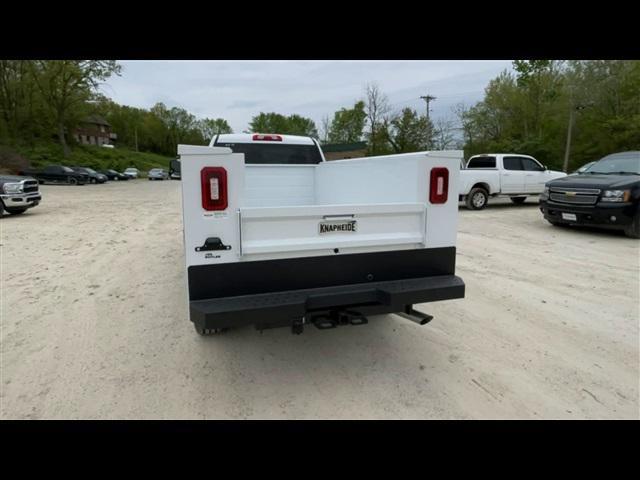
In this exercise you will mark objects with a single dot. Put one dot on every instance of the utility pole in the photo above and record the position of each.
(567, 150)
(428, 99)
(565, 165)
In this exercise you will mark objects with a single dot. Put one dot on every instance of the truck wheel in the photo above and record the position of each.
(477, 199)
(72, 181)
(207, 332)
(1, 208)
(518, 200)
(93, 180)
(633, 230)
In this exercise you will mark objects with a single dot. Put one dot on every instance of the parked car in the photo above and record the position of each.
(158, 174)
(132, 172)
(18, 194)
(502, 174)
(113, 175)
(57, 174)
(606, 195)
(174, 169)
(274, 235)
(582, 169)
(94, 177)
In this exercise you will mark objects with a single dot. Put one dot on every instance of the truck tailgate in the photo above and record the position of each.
(321, 227)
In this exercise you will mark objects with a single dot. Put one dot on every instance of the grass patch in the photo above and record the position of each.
(98, 158)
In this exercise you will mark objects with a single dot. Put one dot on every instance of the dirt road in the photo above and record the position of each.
(93, 325)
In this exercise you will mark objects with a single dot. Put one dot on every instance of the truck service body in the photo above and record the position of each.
(276, 236)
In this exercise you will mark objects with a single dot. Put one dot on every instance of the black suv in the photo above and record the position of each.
(607, 194)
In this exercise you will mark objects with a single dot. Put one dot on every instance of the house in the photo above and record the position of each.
(340, 151)
(95, 130)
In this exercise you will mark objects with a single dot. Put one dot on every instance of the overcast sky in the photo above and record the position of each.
(237, 90)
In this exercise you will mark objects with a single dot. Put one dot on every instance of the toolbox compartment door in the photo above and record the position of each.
(324, 228)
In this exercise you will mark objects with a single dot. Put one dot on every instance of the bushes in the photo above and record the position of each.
(95, 157)
(11, 161)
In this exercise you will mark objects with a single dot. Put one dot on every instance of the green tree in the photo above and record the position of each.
(22, 113)
(347, 124)
(268, 123)
(377, 110)
(277, 123)
(210, 127)
(529, 111)
(180, 126)
(66, 86)
(409, 132)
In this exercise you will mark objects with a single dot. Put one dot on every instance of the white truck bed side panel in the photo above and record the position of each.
(200, 224)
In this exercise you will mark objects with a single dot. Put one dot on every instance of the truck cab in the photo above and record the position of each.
(269, 149)
(503, 174)
(276, 236)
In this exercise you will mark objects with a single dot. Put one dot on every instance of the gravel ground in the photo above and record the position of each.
(94, 326)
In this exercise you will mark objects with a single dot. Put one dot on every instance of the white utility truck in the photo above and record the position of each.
(274, 235)
(502, 174)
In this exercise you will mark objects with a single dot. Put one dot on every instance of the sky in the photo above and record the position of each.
(238, 90)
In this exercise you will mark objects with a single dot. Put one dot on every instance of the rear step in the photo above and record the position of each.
(329, 306)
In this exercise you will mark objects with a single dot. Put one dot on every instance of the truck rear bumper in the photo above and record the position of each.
(284, 292)
(285, 308)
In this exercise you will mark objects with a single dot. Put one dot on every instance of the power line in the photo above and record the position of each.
(428, 99)
(454, 95)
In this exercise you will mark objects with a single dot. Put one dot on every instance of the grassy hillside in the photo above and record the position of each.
(94, 157)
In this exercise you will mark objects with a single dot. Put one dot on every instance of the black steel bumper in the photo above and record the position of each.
(612, 215)
(286, 292)
(284, 308)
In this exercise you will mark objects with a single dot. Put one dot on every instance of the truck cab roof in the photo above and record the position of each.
(261, 138)
(272, 148)
(502, 154)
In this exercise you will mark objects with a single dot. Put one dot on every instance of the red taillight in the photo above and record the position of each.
(214, 188)
(267, 138)
(439, 185)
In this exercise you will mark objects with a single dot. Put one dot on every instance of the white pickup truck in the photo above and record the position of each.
(502, 174)
(274, 235)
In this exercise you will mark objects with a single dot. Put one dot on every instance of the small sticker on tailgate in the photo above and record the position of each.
(342, 226)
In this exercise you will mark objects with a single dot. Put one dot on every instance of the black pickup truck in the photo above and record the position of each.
(58, 174)
(18, 194)
(607, 195)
